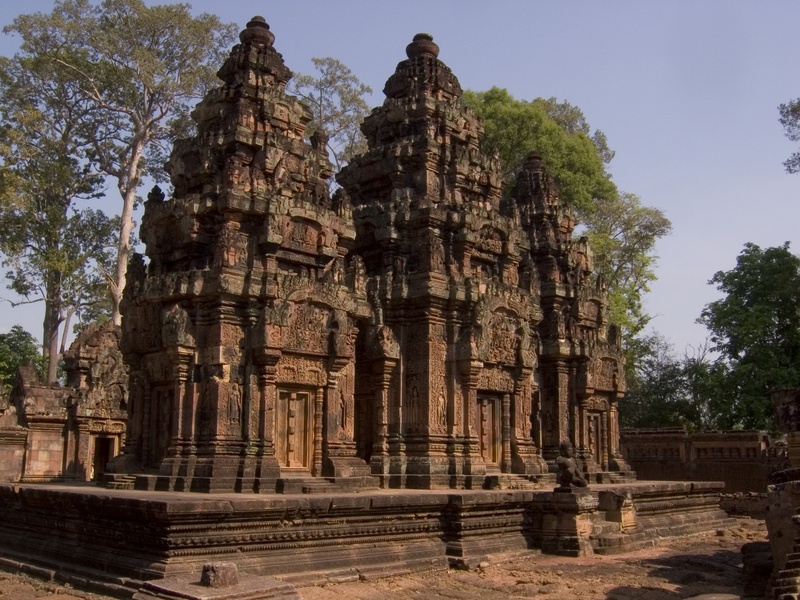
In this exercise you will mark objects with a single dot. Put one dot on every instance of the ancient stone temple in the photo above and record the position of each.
(423, 327)
(452, 286)
(419, 326)
(581, 368)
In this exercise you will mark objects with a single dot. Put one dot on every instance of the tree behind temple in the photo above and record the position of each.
(756, 329)
(668, 391)
(623, 232)
(18, 348)
(514, 128)
(141, 69)
(54, 247)
(336, 99)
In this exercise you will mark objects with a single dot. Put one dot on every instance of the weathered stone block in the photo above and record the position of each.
(219, 575)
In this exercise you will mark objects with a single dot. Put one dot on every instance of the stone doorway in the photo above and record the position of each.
(161, 425)
(294, 440)
(104, 451)
(489, 430)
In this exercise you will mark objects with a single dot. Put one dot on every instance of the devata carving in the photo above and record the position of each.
(420, 326)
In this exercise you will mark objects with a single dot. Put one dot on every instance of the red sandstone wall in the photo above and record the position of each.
(744, 460)
(12, 453)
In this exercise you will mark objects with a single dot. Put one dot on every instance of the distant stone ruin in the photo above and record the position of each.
(69, 433)
(416, 329)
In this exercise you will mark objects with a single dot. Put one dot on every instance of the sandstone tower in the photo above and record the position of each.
(240, 332)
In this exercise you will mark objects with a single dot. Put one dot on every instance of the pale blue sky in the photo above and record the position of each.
(686, 91)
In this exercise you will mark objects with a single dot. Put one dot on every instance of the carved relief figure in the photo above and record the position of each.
(235, 403)
(441, 412)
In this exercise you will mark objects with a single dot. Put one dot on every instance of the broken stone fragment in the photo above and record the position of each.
(219, 575)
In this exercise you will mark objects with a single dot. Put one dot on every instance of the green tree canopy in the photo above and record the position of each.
(514, 128)
(790, 119)
(756, 329)
(623, 233)
(17, 349)
(54, 247)
(139, 70)
(668, 391)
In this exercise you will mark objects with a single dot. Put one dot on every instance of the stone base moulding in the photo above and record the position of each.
(218, 581)
(123, 538)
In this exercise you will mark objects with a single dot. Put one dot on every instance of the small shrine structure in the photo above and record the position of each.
(69, 432)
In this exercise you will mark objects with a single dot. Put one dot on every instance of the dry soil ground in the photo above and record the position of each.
(708, 563)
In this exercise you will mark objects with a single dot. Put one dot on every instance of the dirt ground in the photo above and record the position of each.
(708, 563)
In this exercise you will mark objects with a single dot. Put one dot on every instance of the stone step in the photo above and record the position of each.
(117, 481)
(515, 481)
(602, 528)
(117, 485)
(324, 485)
(612, 477)
(628, 543)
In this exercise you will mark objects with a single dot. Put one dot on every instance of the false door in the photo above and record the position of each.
(595, 436)
(489, 429)
(294, 429)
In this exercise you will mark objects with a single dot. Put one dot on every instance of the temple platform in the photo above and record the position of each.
(117, 539)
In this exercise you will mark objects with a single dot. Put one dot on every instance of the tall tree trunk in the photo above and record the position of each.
(52, 322)
(65, 331)
(127, 187)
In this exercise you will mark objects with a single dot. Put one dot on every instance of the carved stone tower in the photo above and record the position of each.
(240, 332)
(452, 286)
(581, 367)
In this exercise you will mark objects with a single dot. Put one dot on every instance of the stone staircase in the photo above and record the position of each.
(118, 481)
(637, 516)
(514, 481)
(607, 537)
(325, 485)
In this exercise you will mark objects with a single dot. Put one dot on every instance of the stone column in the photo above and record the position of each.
(616, 461)
(319, 411)
(555, 408)
(786, 404)
(180, 371)
(473, 461)
(266, 469)
(505, 458)
(384, 369)
(605, 459)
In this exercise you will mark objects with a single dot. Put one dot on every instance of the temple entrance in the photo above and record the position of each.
(103, 452)
(489, 429)
(294, 427)
(161, 423)
(364, 399)
(364, 418)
